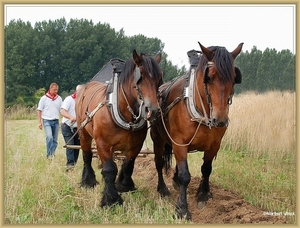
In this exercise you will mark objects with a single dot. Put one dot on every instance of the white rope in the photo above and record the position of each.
(178, 144)
(129, 108)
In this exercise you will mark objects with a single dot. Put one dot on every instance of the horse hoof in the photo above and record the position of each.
(124, 188)
(85, 184)
(187, 216)
(110, 202)
(163, 191)
(201, 205)
(204, 196)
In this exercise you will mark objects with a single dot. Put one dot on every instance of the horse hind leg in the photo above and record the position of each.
(124, 182)
(162, 159)
(88, 178)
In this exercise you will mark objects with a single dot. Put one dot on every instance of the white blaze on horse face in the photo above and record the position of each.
(220, 107)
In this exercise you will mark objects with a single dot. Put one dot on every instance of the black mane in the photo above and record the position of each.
(149, 65)
(223, 62)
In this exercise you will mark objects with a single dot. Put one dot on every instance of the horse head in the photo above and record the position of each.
(147, 78)
(218, 75)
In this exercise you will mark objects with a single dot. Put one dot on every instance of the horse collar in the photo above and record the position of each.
(112, 103)
(189, 92)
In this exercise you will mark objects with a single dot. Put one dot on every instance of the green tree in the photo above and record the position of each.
(248, 64)
(20, 62)
(49, 52)
(289, 76)
(284, 61)
(78, 47)
(142, 44)
(266, 73)
(169, 70)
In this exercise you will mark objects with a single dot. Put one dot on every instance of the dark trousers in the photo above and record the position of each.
(71, 154)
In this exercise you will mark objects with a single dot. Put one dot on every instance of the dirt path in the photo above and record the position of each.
(225, 207)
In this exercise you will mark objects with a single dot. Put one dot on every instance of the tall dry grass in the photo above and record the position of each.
(258, 158)
(263, 123)
(20, 112)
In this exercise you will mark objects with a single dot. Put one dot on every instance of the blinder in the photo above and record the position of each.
(238, 76)
(206, 78)
(137, 75)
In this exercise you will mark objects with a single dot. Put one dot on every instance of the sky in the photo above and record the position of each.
(181, 27)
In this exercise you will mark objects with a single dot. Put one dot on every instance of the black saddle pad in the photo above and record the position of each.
(115, 65)
(194, 57)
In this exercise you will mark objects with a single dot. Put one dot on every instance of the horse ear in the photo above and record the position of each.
(136, 58)
(238, 76)
(158, 58)
(208, 54)
(237, 51)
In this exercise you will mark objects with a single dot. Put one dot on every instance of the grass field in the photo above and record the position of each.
(257, 160)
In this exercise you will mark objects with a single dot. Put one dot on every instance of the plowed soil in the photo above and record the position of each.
(225, 207)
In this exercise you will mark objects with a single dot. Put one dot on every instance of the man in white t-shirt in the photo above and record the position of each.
(48, 112)
(69, 128)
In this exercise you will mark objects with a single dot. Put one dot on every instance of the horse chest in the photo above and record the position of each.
(206, 138)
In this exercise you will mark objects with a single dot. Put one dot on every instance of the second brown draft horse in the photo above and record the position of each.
(118, 122)
(195, 117)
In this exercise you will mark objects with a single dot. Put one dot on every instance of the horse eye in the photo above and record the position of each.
(208, 79)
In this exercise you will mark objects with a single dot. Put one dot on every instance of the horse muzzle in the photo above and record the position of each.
(220, 122)
(149, 113)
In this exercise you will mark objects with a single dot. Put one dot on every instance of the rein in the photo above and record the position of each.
(129, 108)
(137, 77)
(208, 121)
(178, 144)
(87, 119)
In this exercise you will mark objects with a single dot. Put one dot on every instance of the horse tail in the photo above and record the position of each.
(167, 157)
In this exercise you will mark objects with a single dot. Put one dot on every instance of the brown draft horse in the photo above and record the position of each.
(137, 100)
(181, 130)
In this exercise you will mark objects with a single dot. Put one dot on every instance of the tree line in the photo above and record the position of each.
(72, 53)
(267, 70)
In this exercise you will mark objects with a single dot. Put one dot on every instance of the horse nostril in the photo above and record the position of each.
(221, 124)
(150, 112)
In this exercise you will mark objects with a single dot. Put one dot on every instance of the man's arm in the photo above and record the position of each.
(39, 115)
(67, 115)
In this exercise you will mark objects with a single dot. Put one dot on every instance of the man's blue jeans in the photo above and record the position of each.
(71, 154)
(51, 128)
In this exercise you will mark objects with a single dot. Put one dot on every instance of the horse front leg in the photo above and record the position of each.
(175, 182)
(184, 178)
(203, 193)
(110, 193)
(124, 182)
